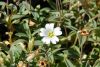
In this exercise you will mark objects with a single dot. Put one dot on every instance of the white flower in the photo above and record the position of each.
(49, 33)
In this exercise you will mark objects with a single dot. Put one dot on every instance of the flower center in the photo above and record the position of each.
(50, 34)
(42, 63)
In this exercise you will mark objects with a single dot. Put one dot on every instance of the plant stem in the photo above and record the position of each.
(30, 5)
(81, 49)
(59, 9)
(7, 7)
(75, 40)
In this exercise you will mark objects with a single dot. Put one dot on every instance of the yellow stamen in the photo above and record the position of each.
(50, 34)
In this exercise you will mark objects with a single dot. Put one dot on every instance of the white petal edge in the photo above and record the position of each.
(42, 29)
(46, 40)
(54, 40)
(52, 26)
(57, 31)
(57, 28)
(49, 26)
(43, 32)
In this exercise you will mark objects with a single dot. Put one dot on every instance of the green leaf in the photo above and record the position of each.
(26, 28)
(73, 52)
(69, 63)
(97, 32)
(62, 64)
(12, 7)
(3, 46)
(45, 10)
(97, 63)
(87, 64)
(72, 28)
(36, 15)
(51, 3)
(16, 50)
(35, 32)
(65, 1)
(56, 50)
(82, 39)
(38, 43)
(16, 21)
(17, 16)
(51, 58)
(2, 4)
(21, 34)
(60, 56)
(25, 6)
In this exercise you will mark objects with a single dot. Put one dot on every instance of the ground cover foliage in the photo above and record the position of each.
(77, 23)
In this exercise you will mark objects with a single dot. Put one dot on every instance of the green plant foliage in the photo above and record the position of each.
(26, 28)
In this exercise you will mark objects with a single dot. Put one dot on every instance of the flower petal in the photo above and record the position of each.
(43, 32)
(42, 29)
(57, 31)
(46, 40)
(52, 26)
(54, 40)
(49, 26)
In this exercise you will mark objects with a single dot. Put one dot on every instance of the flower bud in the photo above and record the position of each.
(7, 18)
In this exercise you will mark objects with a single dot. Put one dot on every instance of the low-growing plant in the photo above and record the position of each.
(48, 33)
